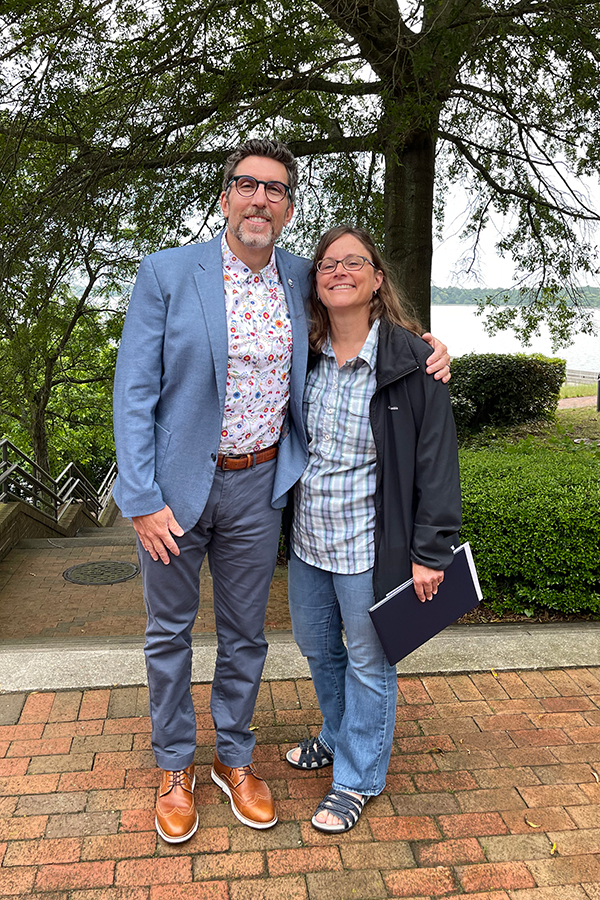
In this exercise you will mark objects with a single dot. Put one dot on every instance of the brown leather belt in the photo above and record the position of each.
(247, 460)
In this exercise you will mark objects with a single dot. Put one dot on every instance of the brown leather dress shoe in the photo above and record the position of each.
(250, 796)
(176, 817)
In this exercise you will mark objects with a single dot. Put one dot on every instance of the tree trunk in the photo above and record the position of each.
(408, 218)
(39, 437)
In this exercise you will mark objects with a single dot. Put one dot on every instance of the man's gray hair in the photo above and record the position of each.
(271, 150)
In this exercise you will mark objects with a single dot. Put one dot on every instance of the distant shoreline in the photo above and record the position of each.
(454, 296)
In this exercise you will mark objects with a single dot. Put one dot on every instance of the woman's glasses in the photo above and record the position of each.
(351, 263)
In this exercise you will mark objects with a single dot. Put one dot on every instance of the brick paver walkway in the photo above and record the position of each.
(32, 583)
(493, 793)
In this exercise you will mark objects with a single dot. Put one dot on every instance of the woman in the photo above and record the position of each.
(379, 502)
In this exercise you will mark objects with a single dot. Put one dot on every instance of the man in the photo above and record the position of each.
(209, 436)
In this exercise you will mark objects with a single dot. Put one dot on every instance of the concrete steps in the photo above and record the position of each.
(114, 536)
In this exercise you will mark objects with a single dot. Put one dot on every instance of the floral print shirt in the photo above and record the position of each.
(260, 355)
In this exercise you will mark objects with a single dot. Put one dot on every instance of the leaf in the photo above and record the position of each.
(532, 824)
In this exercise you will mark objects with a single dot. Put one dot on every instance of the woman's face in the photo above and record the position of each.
(344, 290)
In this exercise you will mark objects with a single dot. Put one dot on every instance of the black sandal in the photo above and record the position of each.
(313, 755)
(344, 806)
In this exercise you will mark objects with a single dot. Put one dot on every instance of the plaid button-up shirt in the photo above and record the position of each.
(334, 507)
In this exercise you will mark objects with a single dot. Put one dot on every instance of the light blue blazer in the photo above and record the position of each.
(171, 377)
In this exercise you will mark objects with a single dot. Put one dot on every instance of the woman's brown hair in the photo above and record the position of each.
(387, 303)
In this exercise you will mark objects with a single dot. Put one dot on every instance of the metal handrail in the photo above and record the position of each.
(22, 479)
(105, 489)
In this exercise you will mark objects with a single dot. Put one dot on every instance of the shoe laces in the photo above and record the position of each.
(179, 778)
(245, 770)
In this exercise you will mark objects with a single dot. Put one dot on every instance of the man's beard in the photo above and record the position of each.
(243, 232)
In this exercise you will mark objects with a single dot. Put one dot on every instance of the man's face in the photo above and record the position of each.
(257, 221)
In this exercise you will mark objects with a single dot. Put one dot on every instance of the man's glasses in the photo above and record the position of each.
(351, 263)
(247, 186)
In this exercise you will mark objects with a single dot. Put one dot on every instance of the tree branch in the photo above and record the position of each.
(526, 196)
(65, 26)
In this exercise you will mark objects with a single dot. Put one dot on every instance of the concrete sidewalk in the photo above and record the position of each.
(493, 793)
(75, 663)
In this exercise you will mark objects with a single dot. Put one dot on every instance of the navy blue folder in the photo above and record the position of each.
(403, 623)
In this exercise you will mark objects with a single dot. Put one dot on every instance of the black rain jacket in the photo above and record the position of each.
(417, 497)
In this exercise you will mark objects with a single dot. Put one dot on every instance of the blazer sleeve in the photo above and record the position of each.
(437, 517)
(136, 392)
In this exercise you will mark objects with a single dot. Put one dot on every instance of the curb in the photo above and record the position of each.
(77, 663)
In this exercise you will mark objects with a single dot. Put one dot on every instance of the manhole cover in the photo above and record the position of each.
(104, 571)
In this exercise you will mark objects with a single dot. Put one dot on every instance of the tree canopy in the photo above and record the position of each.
(116, 117)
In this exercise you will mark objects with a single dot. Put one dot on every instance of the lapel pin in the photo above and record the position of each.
(290, 282)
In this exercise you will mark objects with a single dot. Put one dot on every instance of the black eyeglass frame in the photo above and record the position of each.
(342, 261)
(235, 178)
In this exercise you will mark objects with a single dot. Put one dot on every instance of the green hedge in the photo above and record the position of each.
(532, 516)
(503, 389)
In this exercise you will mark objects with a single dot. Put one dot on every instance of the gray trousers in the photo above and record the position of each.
(239, 530)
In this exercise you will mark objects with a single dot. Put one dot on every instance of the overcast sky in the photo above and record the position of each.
(452, 258)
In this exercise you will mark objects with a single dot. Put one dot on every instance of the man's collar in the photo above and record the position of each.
(239, 270)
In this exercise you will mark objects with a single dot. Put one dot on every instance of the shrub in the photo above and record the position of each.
(503, 389)
(531, 515)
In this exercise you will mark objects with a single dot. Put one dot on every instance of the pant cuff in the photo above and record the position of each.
(356, 790)
(174, 765)
(327, 746)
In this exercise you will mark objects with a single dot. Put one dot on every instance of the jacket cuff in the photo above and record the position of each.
(432, 547)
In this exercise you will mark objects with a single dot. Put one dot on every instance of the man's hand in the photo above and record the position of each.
(156, 531)
(438, 364)
(426, 581)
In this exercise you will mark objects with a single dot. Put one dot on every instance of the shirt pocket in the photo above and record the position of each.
(313, 406)
(358, 436)
(358, 406)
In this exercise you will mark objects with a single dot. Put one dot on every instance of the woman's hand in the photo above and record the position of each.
(426, 581)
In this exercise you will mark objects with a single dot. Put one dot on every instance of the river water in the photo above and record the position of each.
(463, 331)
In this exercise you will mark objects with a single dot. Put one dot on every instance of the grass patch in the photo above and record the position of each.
(568, 427)
(578, 390)
(578, 423)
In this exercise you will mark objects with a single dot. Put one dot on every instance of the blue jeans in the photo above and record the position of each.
(356, 688)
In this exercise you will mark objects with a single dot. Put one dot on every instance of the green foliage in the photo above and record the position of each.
(55, 396)
(139, 102)
(531, 515)
(503, 389)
